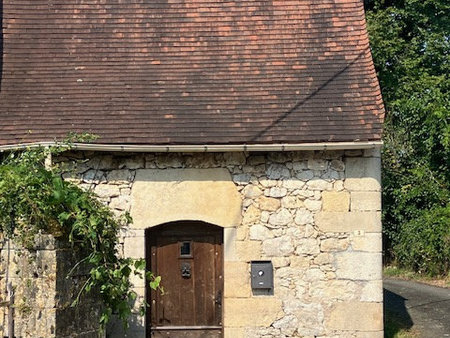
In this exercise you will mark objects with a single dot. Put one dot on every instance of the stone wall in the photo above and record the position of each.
(43, 294)
(315, 215)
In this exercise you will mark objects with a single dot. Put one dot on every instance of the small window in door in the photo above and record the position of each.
(186, 249)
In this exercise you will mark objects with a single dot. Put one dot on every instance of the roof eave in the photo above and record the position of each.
(203, 148)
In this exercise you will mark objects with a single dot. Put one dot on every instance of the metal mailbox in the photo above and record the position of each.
(262, 275)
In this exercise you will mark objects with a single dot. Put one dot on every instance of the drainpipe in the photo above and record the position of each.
(206, 147)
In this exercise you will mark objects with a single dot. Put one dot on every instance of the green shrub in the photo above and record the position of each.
(35, 199)
(424, 242)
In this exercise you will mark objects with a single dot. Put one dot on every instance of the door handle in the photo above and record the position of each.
(186, 270)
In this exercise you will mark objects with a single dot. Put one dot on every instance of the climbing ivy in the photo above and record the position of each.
(34, 199)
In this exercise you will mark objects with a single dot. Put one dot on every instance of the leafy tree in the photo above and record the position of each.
(410, 42)
(35, 199)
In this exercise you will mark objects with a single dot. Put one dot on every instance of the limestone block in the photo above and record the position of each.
(356, 316)
(241, 179)
(259, 232)
(370, 334)
(348, 221)
(356, 265)
(168, 161)
(251, 191)
(102, 162)
(337, 165)
(365, 201)
(276, 192)
(300, 165)
(91, 176)
(334, 244)
(134, 247)
(279, 157)
(358, 167)
(314, 275)
(267, 183)
(265, 215)
(338, 185)
(255, 169)
(229, 244)
(234, 332)
(256, 160)
(313, 205)
(107, 190)
(287, 325)
(300, 262)
(317, 164)
(120, 176)
(319, 184)
(307, 246)
(248, 250)
(135, 162)
(322, 259)
(372, 291)
(277, 171)
(120, 203)
(125, 191)
(278, 247)
(353, 152)
(362, 184)
(331, 175)
(251, 215)
(293, 184)
(304, 193)
(336, 201)
(374, 152)
(279, 262)
(251, 312)
(268, 204)
(202, 160)
(131, 232)
(332, 290)
(363, 173)
(303, 217)
(282, 217)
(237, 280)
(234, 158)
(370, 242)
(209, 195)
(311, 318)
(292, 202)
(305, 175)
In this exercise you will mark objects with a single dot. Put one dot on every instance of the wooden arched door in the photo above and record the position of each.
(189, 258)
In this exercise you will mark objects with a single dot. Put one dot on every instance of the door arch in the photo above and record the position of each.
(188, 255)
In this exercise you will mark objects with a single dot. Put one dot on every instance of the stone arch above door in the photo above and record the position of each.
(162, 196)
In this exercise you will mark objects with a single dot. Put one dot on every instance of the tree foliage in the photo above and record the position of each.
(410, 42)
(35, 199)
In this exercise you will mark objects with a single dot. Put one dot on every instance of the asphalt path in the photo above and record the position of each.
(425, 308)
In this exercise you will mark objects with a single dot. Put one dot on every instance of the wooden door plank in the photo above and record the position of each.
(188, 301)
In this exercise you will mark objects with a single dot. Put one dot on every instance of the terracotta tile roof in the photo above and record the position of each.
(188, 71)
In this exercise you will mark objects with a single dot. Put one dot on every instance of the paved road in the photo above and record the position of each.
(426, 308)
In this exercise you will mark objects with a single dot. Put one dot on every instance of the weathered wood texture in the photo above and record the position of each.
(192, 279)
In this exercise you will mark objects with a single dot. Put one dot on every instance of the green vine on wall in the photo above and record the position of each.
(34, 199)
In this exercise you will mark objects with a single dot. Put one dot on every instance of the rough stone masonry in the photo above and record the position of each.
(315, 215)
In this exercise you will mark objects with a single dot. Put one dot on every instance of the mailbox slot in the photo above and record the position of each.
(262, 275)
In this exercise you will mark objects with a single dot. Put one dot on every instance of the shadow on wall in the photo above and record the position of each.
(396, 316)
(115, 327)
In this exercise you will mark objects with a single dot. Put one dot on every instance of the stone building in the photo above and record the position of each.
(243, 137)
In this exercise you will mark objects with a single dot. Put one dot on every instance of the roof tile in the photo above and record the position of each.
(188, 71)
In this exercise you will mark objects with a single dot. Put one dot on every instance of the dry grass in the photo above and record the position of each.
(393, 271)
